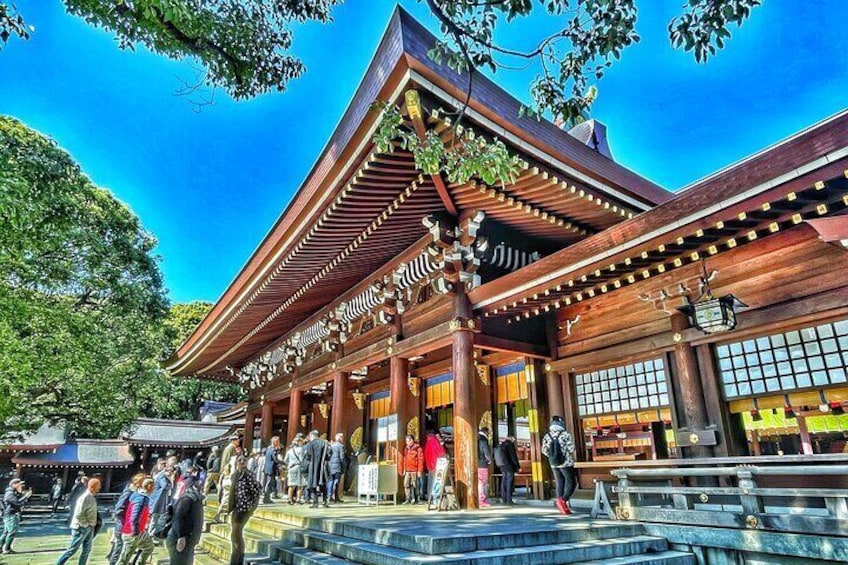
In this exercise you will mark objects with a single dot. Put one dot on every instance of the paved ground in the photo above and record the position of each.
(42, 539)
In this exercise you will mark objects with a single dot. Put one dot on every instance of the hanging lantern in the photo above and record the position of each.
(359, 399)
(712, 315)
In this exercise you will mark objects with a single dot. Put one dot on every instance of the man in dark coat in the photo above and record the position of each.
(13, 501)
(315, 457)
(271, 469)
(506, 458)
(187, 524)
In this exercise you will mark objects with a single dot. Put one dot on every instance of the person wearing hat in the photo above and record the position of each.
(558, 447)
(213, 470)
(227, 468)
(13, 501)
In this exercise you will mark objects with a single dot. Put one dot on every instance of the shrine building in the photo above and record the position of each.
(706, 323)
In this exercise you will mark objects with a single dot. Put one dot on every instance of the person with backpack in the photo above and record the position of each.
(134, 528)
(187, 524)
(506, 459)
(119, 512)
(558, 447)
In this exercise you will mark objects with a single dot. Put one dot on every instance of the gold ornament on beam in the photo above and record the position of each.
(359, 398)
(414, 384)
(324, 409)
(484, 372)
(303, 420)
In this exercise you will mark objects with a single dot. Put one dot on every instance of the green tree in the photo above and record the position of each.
(245, 45)
(81, 297)
(180, 398)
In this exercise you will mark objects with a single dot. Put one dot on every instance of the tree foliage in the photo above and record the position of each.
(83, 316)
(81, 297)
(244, 45)
(180, 398)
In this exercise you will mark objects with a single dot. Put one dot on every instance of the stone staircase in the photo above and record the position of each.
(347, 534)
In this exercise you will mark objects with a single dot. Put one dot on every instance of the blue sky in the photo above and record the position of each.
(209, 185)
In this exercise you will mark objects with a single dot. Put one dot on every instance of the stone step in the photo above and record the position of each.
(432, 539)
(577, 552)
(302, 556)
(662, 558)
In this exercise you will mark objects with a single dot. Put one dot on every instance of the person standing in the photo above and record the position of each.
(558, 447)
(187, 524)
(227, 468)
(433, 451)
(315, 457)
(83, 521)
(161, 498)
(243, 500)
(271, 469)
(13, 502)
(213, 471)
(412, 467)
(295, 470)
(134, 528)
(506, 458)
(76, 491)
(55, 495)
(337, 465)
(119, 512)
(484, 459)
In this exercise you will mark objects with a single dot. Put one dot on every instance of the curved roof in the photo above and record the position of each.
(358, 209)
(81, 453)
(176, 433)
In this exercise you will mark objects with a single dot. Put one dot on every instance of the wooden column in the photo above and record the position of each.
(464, 417)
(342, 406)
(402, 402)
(107, 483)
(267, 429)
(690, 400)
(249, 424)
(553, 386)
(539, 416)
(295, 409)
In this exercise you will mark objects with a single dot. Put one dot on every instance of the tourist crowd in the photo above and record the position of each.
(165, 505)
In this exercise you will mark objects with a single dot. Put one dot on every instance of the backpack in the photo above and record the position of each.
(556, 454)
(500, 456)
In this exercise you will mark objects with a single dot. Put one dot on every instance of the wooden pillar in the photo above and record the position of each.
(249, 423)
(295, 409)
(553, 388)
(690, 397)
(464, 417)
(267, 429)
(401, 400)
(107, 483)
(538, 418)
(345, 417)
(65, 474)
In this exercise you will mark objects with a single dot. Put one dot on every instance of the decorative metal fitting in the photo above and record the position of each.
(704, 498)
(414, 384)
(751, 521)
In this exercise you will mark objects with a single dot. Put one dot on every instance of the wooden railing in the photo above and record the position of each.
(730, 497)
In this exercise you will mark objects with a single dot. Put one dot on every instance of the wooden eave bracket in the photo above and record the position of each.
(416, 112)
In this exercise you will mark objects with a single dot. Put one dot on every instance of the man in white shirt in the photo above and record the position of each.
(83, 521)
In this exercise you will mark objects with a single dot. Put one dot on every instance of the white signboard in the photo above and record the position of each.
(367, 480)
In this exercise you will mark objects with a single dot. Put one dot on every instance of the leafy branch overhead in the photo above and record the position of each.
(595, 34)
(464, 157)
(245, 46)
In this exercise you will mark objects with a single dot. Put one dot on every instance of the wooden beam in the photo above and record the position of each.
(493, 343)
(415, 111)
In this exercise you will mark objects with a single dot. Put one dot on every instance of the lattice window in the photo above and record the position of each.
(816, 356)
(624, 388)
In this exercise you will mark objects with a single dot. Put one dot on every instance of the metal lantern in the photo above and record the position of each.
(712, 315)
